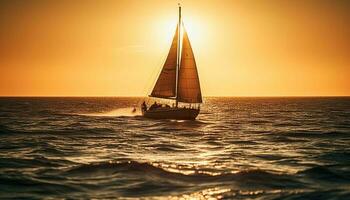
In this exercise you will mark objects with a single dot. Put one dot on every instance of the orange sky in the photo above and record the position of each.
(116, 48)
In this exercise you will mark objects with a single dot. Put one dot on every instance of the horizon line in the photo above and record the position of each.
(209, 96)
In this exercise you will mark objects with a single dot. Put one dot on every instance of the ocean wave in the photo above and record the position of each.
(37, 161)
(5, 130)
(336, 157)
(315, 134)
(341, 194)
(153, 170)
(328, 173)
(167, 147)
(57, 131)
(19, 186)
(254, 178)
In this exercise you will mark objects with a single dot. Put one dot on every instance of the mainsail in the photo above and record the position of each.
(188, 89)
(166, 83)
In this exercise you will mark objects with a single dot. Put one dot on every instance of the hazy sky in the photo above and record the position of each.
(116, 48)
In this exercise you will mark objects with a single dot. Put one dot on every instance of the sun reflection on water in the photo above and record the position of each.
(210, 194)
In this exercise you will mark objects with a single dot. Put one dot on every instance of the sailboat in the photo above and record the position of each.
(177, 81)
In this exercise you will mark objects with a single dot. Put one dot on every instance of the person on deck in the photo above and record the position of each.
(154, 106)
(144, 106)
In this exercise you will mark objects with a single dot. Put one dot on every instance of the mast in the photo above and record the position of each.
(178, 56)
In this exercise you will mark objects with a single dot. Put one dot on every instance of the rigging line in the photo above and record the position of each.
(152, 78)
(161, 64)
(150, 81)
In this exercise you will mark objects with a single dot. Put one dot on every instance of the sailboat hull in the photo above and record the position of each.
(172, 113)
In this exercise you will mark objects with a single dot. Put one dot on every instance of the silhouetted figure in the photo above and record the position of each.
(144, 106)
(154, 106)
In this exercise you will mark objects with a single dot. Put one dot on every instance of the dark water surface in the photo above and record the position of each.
(239, 148)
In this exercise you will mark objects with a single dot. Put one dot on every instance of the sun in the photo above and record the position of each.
(193, 29)
(196, 29)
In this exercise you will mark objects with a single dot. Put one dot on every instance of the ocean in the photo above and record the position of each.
(238, 148)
